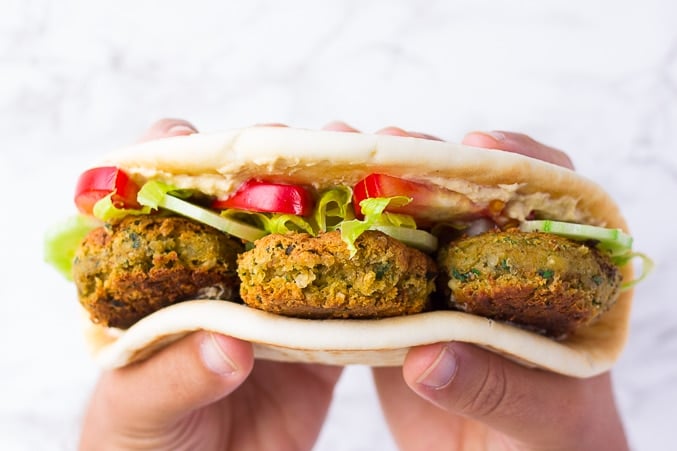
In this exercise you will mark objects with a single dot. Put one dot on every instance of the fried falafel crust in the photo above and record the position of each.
(540, 281)
(304, 276)
(127, 270)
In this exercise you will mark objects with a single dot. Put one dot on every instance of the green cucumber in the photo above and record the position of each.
(615, 241)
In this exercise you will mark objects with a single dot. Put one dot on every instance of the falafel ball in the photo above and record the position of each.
(127, 270)
(304, 276)
(540, 281)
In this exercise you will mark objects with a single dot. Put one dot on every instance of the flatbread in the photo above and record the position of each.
(217, 163)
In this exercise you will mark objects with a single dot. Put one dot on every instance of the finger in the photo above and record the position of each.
(197, 370)
(393, 131)
(338, 126)
(291, 399)
(272, 124)
(397, 131)
(518, 143)
(424, 136)
(165, 128)
(537, 407)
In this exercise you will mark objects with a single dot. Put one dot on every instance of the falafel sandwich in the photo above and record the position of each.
(345, 248)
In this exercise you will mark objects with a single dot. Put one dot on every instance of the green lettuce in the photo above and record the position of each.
(150, 196)
(63, 239)
(375, 215)
(271, 222)
(106, 211)
(333, 207)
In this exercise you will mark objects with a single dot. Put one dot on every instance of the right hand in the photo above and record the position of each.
(185, 397)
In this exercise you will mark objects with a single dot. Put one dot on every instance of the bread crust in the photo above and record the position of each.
(218, 163)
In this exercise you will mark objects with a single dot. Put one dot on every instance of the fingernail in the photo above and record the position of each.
(394, 131)
(215, 358)
(180, 129)
(340, 126)
(498, 136)
(425, 136)
(441, 372)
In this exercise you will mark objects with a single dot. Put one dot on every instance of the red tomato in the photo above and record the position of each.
(97, 183)
(256, 195)
(429, 204)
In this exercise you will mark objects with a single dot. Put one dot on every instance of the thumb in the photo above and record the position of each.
(193, 372)
(539, 408)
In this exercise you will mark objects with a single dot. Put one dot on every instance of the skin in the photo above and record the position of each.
(205, 391)
(466, 398)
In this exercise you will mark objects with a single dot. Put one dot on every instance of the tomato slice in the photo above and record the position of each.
(267, 197)
(429, 204)
(97, 183)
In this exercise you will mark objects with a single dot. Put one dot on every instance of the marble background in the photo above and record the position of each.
(597, 79)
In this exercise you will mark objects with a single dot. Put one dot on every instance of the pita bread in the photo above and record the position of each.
(217, 163)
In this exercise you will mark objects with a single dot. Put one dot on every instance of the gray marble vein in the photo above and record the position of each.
(596, 79)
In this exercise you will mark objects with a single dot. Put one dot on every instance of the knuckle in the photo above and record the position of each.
(162, 128)
(162, 125)
(492, 394)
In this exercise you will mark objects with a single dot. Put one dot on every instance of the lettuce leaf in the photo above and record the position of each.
(375, 215)
(152, 194)
(106, 211)
(647, 267)
(271, 222)
(333, 207)
(63, 239)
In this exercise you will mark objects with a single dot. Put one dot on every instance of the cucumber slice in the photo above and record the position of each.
(614, 241)
(419, 239)
(228, 225)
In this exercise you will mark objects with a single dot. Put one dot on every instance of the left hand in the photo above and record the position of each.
(458, 396)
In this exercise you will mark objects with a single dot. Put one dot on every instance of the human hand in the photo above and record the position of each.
(458, 396)
(205, 392)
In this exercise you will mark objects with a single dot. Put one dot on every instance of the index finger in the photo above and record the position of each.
(518, 143)
(167, 127)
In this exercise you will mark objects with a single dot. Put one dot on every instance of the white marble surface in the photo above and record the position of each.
(597, 79)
